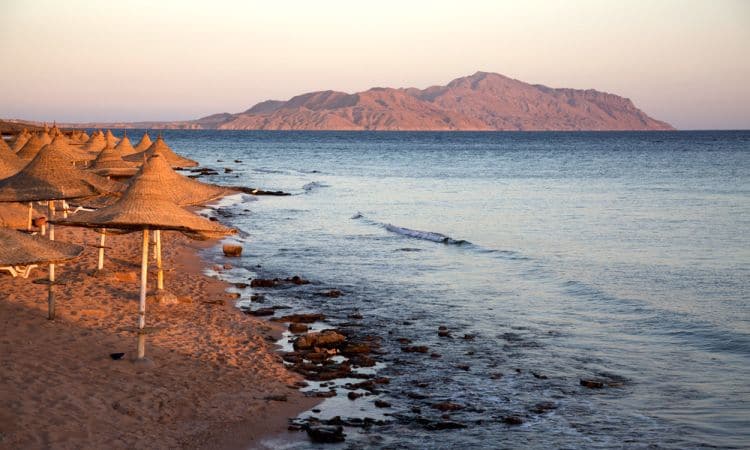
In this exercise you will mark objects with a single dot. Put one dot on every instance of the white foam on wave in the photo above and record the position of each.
(313, 185)
(418, 234)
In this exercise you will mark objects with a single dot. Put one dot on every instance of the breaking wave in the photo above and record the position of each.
(416, 234)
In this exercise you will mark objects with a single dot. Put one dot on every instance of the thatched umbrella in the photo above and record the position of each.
(10, 163)
(76, 155)
(144, 144)
(51, 176)
(20, 249)
(83, 137)
(33, 145)
(4, 147)
(96, 143)
(109, 163)
(124, 146)
(177, 188)
(160, 146)
(143, 207)
(110, 138)
(21, 140)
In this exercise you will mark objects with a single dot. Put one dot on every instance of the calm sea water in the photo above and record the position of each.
(618, 256)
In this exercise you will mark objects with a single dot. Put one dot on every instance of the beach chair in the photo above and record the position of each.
(23, 271)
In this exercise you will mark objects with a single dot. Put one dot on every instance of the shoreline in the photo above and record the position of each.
(217, 380)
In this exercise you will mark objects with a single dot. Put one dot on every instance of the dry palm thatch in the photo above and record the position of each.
(21, 249)
(109, 163)
(51, 176)
(33, 145)
(160, 146)
(83, 137)
(110, 138)
(10, 164)
(144, 144)
(4, 147)
(96, 143)
(21, 139)
(144, 207)
(125, 147)
(74, 154)
(180, 189)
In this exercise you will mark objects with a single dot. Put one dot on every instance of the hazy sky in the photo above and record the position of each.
(686, 62)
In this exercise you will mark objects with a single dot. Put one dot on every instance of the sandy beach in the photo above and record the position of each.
(215, 381)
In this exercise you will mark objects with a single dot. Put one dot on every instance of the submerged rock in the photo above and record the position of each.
(445, 425)
(261, 312)
(326, 434)
(333, 293)
(591, 384)
(382, 404)
(261, 282)
(512, 420)
(446, 406)
(301, 318)
(297, 280)
(415, 349)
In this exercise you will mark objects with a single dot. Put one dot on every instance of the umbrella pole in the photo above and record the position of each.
(50, 292)
(142, 302)
(100, 265)
(160, 272)
(31, 212)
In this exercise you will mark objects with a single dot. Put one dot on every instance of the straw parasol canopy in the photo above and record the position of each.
(125, 147)
(180, 189)
(109, 163)
(22, 249)
(144, 207)
(145, 143)
(83, 137)
(110, 138)
(21, 140)
(160, 146)
(4, 147)
(96, 143)
(10, 164)
(33, 145)
(61, 147)
(51, 176)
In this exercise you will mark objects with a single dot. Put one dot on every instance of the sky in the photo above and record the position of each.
(683, 61)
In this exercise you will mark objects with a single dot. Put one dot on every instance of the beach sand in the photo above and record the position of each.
(213, 370)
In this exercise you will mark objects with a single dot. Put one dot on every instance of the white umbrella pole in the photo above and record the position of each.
(50, 292)
(160, 272)
(100, 265)
(142, 302)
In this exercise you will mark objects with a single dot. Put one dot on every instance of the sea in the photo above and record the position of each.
(548, 257)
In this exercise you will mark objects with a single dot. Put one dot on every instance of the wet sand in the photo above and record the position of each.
(213, 370)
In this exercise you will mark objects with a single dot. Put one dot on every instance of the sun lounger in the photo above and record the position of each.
(23, 271)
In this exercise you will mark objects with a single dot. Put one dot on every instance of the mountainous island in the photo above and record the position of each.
(483, 101)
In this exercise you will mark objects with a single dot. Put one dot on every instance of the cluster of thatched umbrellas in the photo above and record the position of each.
(50, 166)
